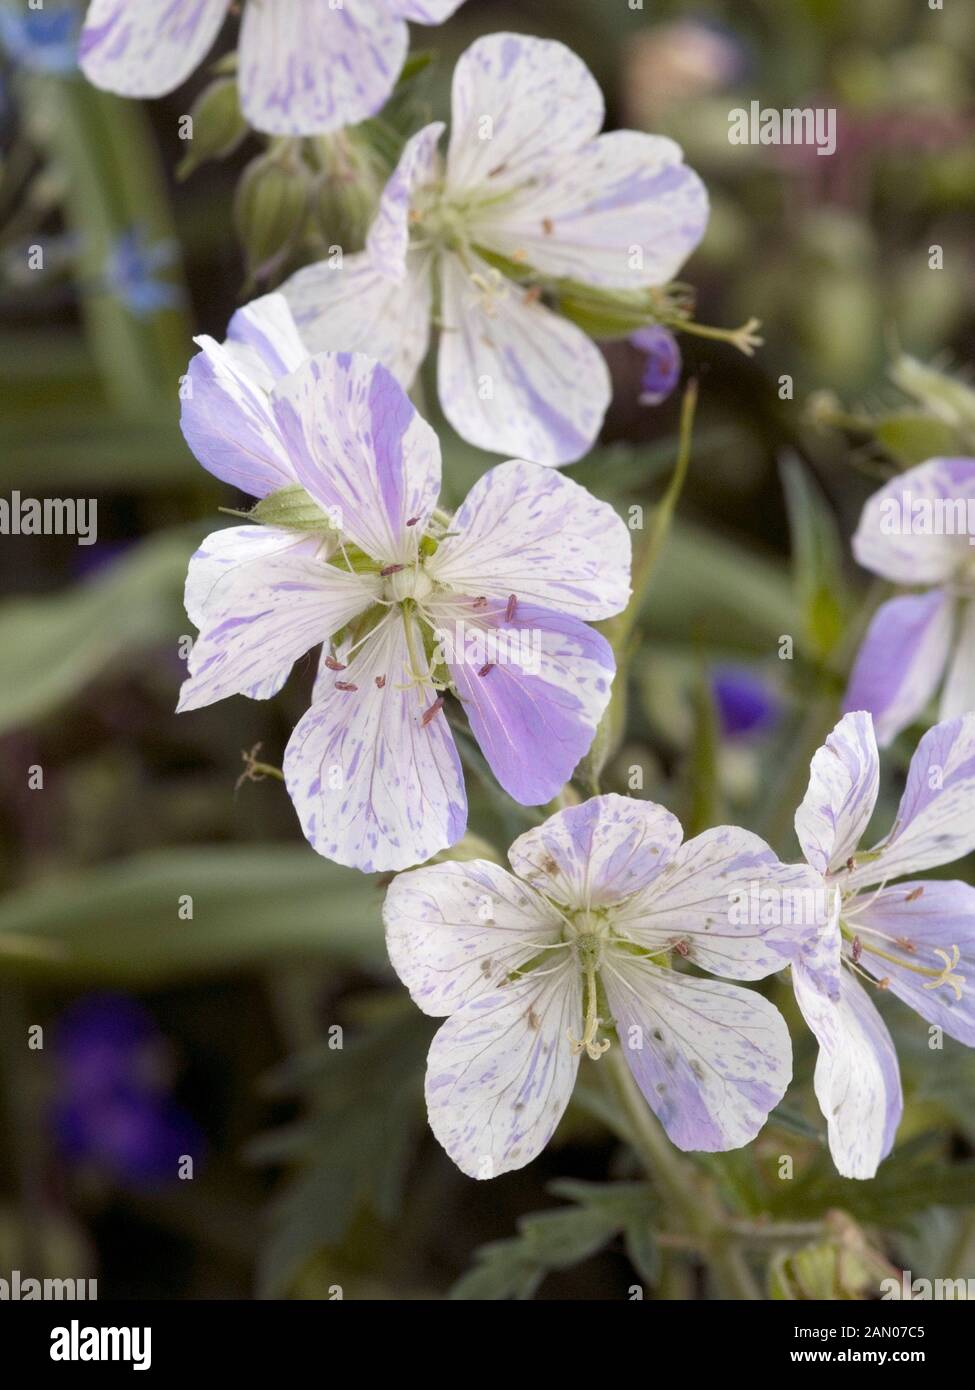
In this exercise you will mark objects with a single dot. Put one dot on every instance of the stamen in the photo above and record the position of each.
(510, 607)
(548, 226)
(488, 666)
(913, 896)
(334, 665)
(413, 520)
(531, 296)
(432, 712)
(480, 602)
(682, 948)
(857, 949)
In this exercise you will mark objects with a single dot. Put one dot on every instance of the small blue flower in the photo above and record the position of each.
(113, 1110)
(746, 704)
(41, 40)
(663, 365)
(131, 273)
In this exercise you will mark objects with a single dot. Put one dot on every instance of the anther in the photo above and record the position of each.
(857, 949)
(915, 893)
(432, 712)
(510, 607)
(334, 665)
(480, 602)
(488, 666)
(391, 569)
(345, 685)
(380, 681)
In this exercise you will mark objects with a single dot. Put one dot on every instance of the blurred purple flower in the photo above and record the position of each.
(113, 1109)
(746, 704)
(41, 40)
(661, 372)
(131, 270)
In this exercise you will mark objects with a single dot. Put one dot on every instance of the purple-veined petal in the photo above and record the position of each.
(227, 421)
(904, 930)
(262, 338)
(843, 780)
(624, 212)
(374, 786)
(899, 535)
(226, 551)
(143, 48)
(424, 11)
(308, 66)
(456, 931)
(599, 853)
(958, 695)
(500, 1071)
(857, 1079)
(389, 235)
(361, 450)
(935, 821)
(533, 688)
(734, 909)
(515, 378)
(526, 530)
(260, 609)
(712, 1059)
(350, 306)
(901, 660)
(518, 104)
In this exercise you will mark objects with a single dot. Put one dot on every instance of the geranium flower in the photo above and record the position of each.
(916, 531)
(412, 606)
(915, 939)
(528, 185)
(306, 66)
(533, 968)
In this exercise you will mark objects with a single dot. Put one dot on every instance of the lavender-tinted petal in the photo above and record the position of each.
(142, 48)
(389, 235)
(901, 660)
(958, 695)
(263, 339)
(842, 792)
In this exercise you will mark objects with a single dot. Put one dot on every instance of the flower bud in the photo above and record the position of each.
(270, 208)
(217, 124)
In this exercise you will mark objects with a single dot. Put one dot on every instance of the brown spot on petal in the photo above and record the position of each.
(857, 951)
(480, 602)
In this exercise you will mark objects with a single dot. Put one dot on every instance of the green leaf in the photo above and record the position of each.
(816, 556)
(121, 922)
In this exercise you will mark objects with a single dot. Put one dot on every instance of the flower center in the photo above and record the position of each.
(410, 582)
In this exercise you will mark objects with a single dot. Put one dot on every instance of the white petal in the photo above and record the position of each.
(308, 66)
(501, 1071)
(935, 821)
(712, 1059)
(518, 104)
(514, 378)
(389, 235)
(893, 538)
(456, 931)
(259, 609)
(361, 450)
(624, 212)
(424, 11)
(262, 338)
(842, 792)
(142, 48)
(353, 307)
(373, 786)
(718, 897)
(526, 530)
(598, 853)
(958, 696)
(857, 1080)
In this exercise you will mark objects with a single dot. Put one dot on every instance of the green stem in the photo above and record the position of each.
(695, 1202)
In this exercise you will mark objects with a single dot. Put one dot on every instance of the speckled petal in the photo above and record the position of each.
(842, 792)
(389, 236)
(515, 378)
(263, 340)
(527, 530)
(712, 1059)
(143, 48)
(456, 931)
(374, 787)
(598, 853)
(884, 544)
(501, 1071)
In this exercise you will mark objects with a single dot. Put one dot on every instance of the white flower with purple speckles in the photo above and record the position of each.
(531, 967)
(527, 179)
(306, 66)
(917, 530)
(372, 768)
(915, 939)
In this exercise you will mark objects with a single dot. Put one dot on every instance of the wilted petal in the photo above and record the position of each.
(893, 538)
(935, 821)
(918, 926)
(501, 1071)
(842, 792)
(545, 684)
(598, 853)
(712, 1059)
(529, 531)
(857, 1080)
(263, 340)
(513, 377)
(351, 306)
(361, 450)
(260, 604)
(518, 104)
(958, 696)
(142, 48)
(389, 235)
(456, 931)
(374, 787)
(307, 66)
(624, 212)
(728, 902)
(901, 661)
(227, 421)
